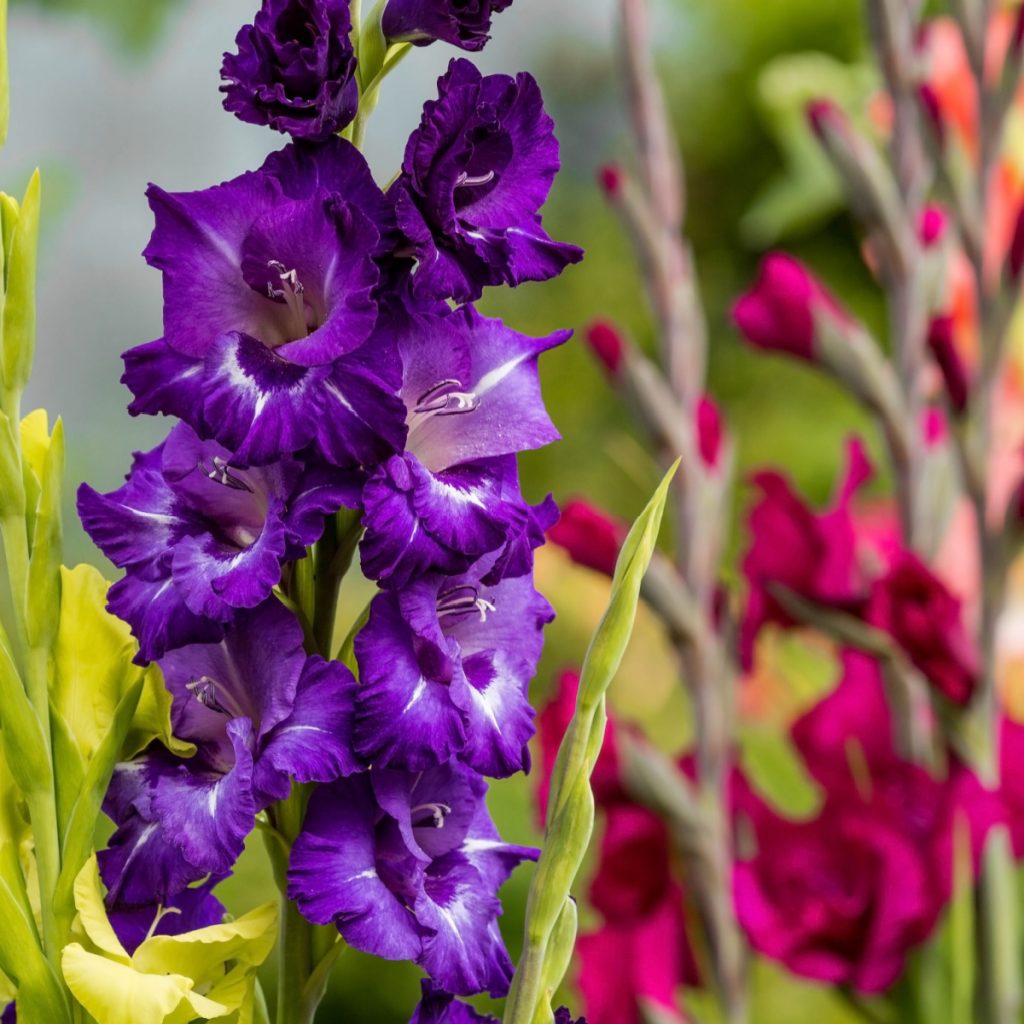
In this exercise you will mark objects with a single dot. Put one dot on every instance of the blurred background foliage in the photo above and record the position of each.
(108, 94)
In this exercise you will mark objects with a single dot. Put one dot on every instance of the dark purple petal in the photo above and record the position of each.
(165, 381)
(207, 813)
(438, 1007)
(140, 519)
(314, 743)
(295, 274)
(404, 715)
(253, 673)
(465, 953)
(294, 69)
(476, 172)
(434, 809)
(417, 521)
(420, 22)
(186, 911)
(472, 390)
(305, 169)
(158, 615)
(333, 874)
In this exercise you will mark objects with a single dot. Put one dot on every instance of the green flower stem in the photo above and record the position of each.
(332, 560)
(295, 937)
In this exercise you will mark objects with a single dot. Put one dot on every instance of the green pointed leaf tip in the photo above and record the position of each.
(46, 542)
(24, 743)
(21, 240)
(549, 940)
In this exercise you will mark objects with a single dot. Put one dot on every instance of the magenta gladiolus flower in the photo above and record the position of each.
(589, 536)
(780, 311)
(812, 554)
(917, 609)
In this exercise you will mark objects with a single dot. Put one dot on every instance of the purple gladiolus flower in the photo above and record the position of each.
(294, 69)
(269, 309)
(260, 713)
(472, 399)
(9, 1015)
(202, 537)
(476, 172)
(461, 23)
(407, 866)
(445, 666)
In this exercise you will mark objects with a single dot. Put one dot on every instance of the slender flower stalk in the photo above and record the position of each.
(669, 400)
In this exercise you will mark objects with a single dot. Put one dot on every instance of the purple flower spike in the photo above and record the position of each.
(408, 868)
(294, 69)
(260, 713)
(420, 22)
(445, 666)
(202, 537)
(476, 172)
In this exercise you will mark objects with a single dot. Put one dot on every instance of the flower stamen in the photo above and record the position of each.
(437, 813)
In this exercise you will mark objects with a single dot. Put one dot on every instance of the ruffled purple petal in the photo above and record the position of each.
(294, 69)
(158, 615)
(472, 389)
(333, 874)
(314, 743)
(208, 813)
(404, 712)
(464, 952)
(218, 578)
(141, 518)
(417, 521)
(253, 673)
(439, 1007)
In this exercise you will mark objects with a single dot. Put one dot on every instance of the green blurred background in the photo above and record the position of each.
(110, 94)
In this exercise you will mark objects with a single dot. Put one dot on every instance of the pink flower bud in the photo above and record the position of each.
(824, 116)
(709, 431)
(931, 227)
(929, 100)
(607, 343)
(950, 364)
(779, 311)
(589, 536)
(1016, 256)
(611, 179)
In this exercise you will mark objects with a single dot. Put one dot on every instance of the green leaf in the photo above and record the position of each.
(23, 739)
(80, 826)
(94, 669)
(19, 313)
(12, 487)
(769, 759)
(46, 539)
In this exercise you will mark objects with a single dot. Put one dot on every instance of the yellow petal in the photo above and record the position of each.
(201, 954)
(93, 914)
(114, 993)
